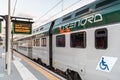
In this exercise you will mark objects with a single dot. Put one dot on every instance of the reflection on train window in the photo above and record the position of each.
(101, 38)
(60, 41)
(78, 40)
(43, 42)
(37, 42)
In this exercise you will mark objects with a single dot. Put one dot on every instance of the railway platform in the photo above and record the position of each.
(25, 69)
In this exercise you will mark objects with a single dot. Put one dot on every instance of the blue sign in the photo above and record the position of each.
(103, 65)
(106, 63)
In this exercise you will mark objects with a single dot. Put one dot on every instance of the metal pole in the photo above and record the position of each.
(12, 44)
(6, 41)
(9, 39)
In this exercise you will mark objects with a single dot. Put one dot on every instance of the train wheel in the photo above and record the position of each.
(72, 75)
(69, 74)
(69, 77)
(76, 76)
(39, 61)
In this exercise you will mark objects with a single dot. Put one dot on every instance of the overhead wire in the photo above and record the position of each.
(65, 8)
(49, 10)
(14, 8)
(58, 12)
(72, 4)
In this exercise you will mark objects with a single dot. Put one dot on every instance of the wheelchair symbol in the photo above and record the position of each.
(103, 65)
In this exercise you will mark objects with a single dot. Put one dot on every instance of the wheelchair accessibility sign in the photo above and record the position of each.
(106, 63)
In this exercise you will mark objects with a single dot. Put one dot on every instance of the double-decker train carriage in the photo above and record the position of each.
(82, 45)
(24, 46)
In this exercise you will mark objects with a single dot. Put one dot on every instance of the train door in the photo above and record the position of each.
(50, 44)
(30, 47)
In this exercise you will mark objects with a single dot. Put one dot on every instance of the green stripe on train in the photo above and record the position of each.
(94, 20)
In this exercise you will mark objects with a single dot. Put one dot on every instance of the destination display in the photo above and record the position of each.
(21, 27)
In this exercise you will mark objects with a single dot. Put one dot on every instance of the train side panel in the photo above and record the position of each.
(85, 60)
(42, 50)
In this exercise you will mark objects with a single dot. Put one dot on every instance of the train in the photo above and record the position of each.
(81, 45)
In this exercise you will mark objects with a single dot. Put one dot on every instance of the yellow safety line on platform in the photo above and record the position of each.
(38, 68)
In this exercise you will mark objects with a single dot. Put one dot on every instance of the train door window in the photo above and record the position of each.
(43, 42)
(101, 38)
(78, 40)
(60, 41)
(30, 43)
(37, 42)
(34, 42)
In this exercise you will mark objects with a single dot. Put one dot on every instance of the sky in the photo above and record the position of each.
(38, 9)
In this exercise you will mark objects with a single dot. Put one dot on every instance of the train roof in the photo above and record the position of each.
(41, 29)
(58, 16)
(97, 13)
(93, 7)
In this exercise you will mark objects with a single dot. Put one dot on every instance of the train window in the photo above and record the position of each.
(30, 42)
(82, 11)
(33, 31)
(37, 42)
(37, 30)
(43, 42)
(101, 38)
(106, 2)
(60, 41)
(41, 28)
(78, 40)
(66, 18)
(34, 42)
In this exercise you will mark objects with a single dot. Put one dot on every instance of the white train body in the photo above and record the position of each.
(85, 60)
(42, 52)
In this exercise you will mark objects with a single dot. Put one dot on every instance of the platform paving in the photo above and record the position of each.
(3, 72)
(20, 70)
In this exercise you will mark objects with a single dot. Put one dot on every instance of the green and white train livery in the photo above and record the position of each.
(81, 45)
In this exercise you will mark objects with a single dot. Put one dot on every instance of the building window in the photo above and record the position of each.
(43, 42)
(60, 41)
(78, 40)
(101, 38)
